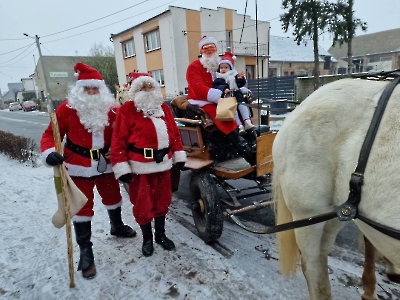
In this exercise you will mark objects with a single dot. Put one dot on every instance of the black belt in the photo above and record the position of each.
(150, 153)
(94, 153)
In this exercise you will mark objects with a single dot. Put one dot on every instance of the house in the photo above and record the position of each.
(379, 51)
(59, 73)
(287, 58)
(167, 43)
(13, 89)
(29, 86)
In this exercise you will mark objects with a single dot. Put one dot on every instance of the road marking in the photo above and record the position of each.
(23, 121)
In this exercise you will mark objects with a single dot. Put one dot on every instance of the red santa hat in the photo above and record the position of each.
(139, 80)
(207, 40)
(134, 75)
(88, 76)
(229, 59)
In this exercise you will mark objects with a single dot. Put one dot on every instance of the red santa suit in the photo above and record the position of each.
(200, 92)
(150, 190)
(82, 168)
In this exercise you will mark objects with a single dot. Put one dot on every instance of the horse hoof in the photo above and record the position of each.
(394, 277)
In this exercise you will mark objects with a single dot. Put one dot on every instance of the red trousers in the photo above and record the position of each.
(150, 195)
(224, 126)
(107, 186)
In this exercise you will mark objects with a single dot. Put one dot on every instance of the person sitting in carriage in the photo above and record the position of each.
(229, 81)
(200, 75)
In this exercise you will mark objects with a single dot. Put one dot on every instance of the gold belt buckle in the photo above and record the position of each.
(148, 153)
(92, 151)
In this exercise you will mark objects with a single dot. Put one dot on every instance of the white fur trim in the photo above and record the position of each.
(121, 169)
(76, 74)
(225, 61)
(234, 57)
(207, 40)
(81, 219)
(214, 95)
(75, 170)
(114, 206)
(150, 167)
(200, 103)
(91, 82)
(179, 156)
(137, 84)
(44, 155)
(161, 131)
(98, 140)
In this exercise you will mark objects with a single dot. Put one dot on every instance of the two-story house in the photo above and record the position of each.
(167, 43)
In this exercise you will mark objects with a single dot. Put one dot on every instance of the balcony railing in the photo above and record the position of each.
(247, 49)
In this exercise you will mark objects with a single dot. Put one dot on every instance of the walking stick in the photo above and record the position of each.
(65, 193)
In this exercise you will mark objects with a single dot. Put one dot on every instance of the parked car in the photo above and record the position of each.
(29, 105)
(15, 106)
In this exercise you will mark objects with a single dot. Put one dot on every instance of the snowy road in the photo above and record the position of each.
(34, 265)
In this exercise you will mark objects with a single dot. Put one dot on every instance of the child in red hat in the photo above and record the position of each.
(229, 80)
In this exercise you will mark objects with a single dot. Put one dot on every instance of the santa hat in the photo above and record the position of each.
(139, 80)
(134, 75)
(207, 40)
(87, 76)
(229, 59)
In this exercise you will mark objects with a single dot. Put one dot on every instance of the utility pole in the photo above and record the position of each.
(50, 106)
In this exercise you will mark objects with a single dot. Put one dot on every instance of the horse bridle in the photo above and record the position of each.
(348, 210)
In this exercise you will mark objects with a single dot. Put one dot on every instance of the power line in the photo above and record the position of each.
(13, 39)
(110, 23)
(15, 49)
(94, 20)
(20, 58)
(47, 49)
(18, 54)
(244, 19)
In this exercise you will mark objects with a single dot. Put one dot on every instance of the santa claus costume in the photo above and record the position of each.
(200, 75)
(145, 145)
(86, 120)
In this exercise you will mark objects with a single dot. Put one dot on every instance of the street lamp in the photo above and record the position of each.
(49, 102)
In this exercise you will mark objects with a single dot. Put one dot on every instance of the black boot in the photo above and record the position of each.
(242, 147)
(83, 233)
(118, 228)
(160, 237)
(147, 246)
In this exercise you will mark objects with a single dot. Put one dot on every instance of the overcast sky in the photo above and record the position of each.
(52, 20)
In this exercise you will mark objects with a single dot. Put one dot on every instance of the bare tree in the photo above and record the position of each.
(98, 49)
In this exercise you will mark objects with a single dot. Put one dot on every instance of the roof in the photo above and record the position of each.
(372, 43)
(286, 49)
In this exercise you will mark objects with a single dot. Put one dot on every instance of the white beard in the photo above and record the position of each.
(210, 63)
(92, 110)
(149, 102)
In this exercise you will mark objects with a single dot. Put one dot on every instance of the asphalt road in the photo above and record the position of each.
(32, 125)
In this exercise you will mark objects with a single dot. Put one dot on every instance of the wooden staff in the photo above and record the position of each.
(65, 195)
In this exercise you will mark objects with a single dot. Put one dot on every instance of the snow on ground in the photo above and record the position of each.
(33, 255)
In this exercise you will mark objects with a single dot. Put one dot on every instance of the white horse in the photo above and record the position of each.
(122, 93)
(315, 153)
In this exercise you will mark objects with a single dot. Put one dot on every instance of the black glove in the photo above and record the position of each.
(179, 165)
(194, 108)
(54, 159)
(126, 178)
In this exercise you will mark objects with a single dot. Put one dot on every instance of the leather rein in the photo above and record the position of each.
(348, 210)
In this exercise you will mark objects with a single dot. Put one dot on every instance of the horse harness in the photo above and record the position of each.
(348, 210)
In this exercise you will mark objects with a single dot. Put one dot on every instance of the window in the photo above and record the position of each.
(152, 41)
(129, 49)
(249, 72)
(158, 75)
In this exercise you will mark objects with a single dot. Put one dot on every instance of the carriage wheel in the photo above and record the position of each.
(206, 207)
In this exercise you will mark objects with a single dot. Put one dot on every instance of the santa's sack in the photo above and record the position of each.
(226, 109)
(76, 199)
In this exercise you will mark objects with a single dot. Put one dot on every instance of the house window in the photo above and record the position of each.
(129, 49)
(158, 75)
(249, 72)
(152, 41)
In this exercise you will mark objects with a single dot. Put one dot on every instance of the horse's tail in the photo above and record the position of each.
(289, 254)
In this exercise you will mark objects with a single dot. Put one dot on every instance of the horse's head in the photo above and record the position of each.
(122, 93)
